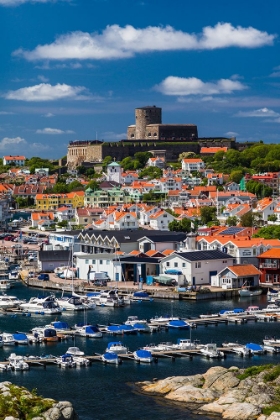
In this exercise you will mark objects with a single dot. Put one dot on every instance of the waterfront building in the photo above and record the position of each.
(16, 160)
(54, 201)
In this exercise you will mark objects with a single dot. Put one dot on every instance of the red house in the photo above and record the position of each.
(269, 266)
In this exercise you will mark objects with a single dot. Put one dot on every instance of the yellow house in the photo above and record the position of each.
(53, 201)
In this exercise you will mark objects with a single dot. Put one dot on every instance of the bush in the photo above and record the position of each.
(253, 371)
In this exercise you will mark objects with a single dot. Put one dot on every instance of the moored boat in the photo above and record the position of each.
(110, 357)
(143, 356)
(210, 350)
(17, 362)
(116, 347)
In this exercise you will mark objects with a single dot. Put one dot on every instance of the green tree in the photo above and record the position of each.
(208, 214)
(143, 158)
(183, 225)
(60, 188)
(75, 186)
(236, 176)
(151, 172)
(93, 185)
(247, 219)
(268, 232)
(232, 221)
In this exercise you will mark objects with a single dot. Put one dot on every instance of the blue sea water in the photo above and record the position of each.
(103, 391)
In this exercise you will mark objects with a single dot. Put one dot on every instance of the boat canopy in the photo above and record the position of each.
(59, 325)
(253, 346)
(114, 343)
(143, 353)
(110, 356)
(178, 323)
(91, 329)
(164, 280)
(173, 271)
(141, 294)
(49, 332)
(20, 336)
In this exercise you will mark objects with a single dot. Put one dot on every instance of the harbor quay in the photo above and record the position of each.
(156, 292)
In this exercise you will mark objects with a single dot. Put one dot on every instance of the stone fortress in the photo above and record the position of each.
(147, 134)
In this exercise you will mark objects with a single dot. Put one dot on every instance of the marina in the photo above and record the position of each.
(207, 329)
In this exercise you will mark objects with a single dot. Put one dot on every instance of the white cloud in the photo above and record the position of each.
(19, 2)
(11, 143)
(6, 113)
(231, 134)
(53, 131)
(181, 86)
(39, 146)
(123, 42)
(260, 113)
(46, 92)
(43, 78)
(48, 115)
(275, 74)
(111, 135)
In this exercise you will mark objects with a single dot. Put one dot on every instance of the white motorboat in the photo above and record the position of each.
(21, 338)
(210, 350)
(17, 362)
(237, 348)
(255, 348)
(271, 349)
(81, 361)
(132, 320)
(66, 361)
(7, 302)
(5, 284)
(4, 367)
(89, 331)
(75, 351)
(71, 303)
(158, 347)
(163, 320)
(45, 334)
(110, 298)
(143, 356)
(42, 305)
(116, 347)
(183, 344)
(249, 292)
(110, 357)
(271, 341)
(8, 339)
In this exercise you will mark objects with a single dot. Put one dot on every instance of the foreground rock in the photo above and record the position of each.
(249, 394)
(16, 402)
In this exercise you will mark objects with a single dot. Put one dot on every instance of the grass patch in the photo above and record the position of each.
(272, 374)
(253, 371)
(22, 404)
(268, 410)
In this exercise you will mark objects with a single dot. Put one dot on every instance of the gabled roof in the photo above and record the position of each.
(271, 253)
(14, 158)
(203, 255)
(244, 270)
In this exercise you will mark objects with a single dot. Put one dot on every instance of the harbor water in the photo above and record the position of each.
(107, 391)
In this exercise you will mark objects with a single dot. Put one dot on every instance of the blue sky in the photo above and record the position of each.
(77, 69)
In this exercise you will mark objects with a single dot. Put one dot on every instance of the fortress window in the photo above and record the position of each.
(155, 134)
(149, 134)
(132, 136)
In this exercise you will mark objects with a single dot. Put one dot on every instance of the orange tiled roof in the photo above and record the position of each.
(192, 160)
(14, 157)
(244, 270)
(271, 253)
(212, 150)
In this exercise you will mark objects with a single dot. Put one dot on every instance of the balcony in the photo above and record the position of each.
(268, 265)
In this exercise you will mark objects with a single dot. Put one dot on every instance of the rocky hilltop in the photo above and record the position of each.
(252, 393)
(17, 403)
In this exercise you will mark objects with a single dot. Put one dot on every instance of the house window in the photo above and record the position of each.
(183, 264)
(175, 264)
(198, 264)
(107, 262)
(254, 251)
(101, 262)
(167, 264)
(93, 261)
(87, 261)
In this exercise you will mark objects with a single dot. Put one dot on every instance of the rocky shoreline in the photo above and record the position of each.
(243, 394)
(17, 403)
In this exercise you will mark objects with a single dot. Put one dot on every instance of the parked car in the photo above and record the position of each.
(44, 277)
(8, 237)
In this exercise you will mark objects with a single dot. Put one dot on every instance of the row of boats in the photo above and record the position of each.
(116, 350)
(53, 305)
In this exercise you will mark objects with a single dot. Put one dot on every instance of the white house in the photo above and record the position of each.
(156, 161)
(265, 208)
(160, 220)
(199, 267)
(237, 276)
(17, 160)
(104, 262)
(192, 165)
(65, 213)
(125, 220)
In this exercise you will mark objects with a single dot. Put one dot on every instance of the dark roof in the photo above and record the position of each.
(203, 255)
(123, 236)
(139, 260)
(68, 232)
(109, 184)
(58, 255)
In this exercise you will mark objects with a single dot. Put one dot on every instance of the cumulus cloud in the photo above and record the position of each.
(43, 78)
(6, 113)
(231, 134)
(111, 135)
(124, 42)
(260, 113)
(39, 146)
(181, 86)
(46, 92)
(8, 142)
(53, 131)
(48, 115)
